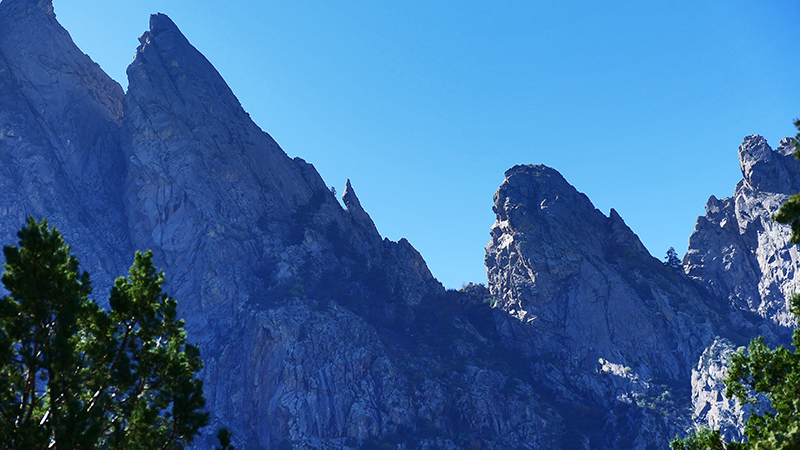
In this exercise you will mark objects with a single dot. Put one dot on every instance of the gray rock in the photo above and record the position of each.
(580, 286)
(740, 254)
(598, 317)
(318, 333)
(59, 140)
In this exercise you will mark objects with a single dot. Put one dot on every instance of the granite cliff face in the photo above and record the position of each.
(603, 323)
(581, 297)
(315, 331)
(318, 333)
(579, 286)
(59, 138)
(738, 253)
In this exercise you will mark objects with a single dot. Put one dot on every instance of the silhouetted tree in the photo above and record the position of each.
(672, 259)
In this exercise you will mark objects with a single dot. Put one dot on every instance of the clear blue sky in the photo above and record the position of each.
(424, 105)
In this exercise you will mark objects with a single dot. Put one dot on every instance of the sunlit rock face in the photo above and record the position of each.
(318, 333)
(579, 286)
(584, 300)
(739, 253)
(597, 316)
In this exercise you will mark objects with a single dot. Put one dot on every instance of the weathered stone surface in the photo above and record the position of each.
(59, 139)
(263, 259)
(318, 333)
(738, 253)
(712, 408)
(584, 300)
(578, 286)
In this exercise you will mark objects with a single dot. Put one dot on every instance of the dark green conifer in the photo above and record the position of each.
(73, 376)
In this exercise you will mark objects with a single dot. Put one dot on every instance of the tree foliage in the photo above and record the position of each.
(74, 376)
(789, 212)
(761, 370)
(224, 437)
(672, 259)
(773, 373)
(703, 439)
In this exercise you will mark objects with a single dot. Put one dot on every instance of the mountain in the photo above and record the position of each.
(744, 258)
(59, 135)
(737, 252)
(603, 323)
(316, 332)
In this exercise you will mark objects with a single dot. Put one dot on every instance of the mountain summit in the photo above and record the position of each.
(316, 332)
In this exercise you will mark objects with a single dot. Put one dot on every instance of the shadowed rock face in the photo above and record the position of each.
(602, 321)
(315, 331)
(262, 257)
(578, 286)
(318, 333)
(59, 139)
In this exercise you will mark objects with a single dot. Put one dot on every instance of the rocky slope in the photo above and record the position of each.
(292, 298)
(59, 138)
(603, 323)
(739, 254)
(318, 333)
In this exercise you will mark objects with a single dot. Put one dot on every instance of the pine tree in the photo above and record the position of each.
(74, 376)
(672, 259)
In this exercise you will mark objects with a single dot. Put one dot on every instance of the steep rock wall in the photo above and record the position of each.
(739, 253)
(60, 156)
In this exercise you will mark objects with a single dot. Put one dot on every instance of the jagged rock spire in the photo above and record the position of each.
(356, 211)
(768, 170)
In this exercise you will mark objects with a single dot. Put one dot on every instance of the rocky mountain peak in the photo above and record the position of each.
(766, 170)
(579, 294)
(357, 212)
(318, 333)
(738, 252)
(532, 194)
(59, 134)
(566, 276)
(161, 22)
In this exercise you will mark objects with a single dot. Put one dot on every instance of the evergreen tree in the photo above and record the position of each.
(672, 259)
(74, 376)
(789, 212)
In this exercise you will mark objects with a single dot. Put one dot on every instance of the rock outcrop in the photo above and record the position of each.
(59, 139)
(601, 320)
(315, 331)
(738, 253)
(318, 333)
(578, 286)
(742, 256)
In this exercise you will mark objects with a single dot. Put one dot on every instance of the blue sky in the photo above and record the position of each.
(424, 105)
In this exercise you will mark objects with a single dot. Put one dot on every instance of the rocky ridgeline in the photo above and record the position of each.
(744, 258)
(318, 333)
(315, 331)
(604, 324)
(739, 254)
(60, 156)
